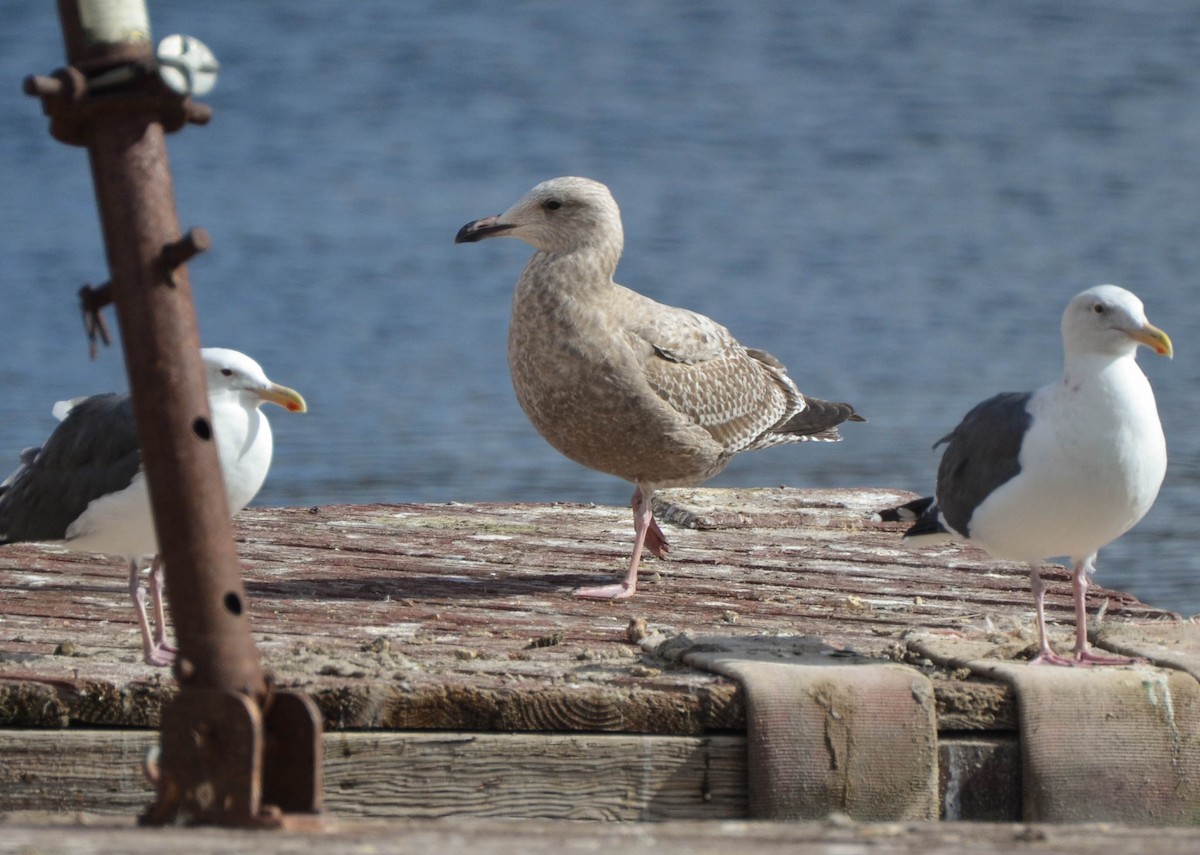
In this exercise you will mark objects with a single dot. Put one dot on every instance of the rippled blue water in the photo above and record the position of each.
(895, 198)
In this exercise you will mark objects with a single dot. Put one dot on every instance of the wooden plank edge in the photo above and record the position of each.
(88, 834)
(962, 705)
(422, 775)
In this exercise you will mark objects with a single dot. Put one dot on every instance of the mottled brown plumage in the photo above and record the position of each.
(654, 394)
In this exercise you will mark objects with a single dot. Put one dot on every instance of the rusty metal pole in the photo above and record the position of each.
(221, 762)
(128, 155)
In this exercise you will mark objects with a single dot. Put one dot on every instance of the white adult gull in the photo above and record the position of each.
(84, 487)
(1060, 471)
(657, 395)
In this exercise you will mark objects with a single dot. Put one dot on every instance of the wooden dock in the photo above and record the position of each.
(27, 835)
(460, 679)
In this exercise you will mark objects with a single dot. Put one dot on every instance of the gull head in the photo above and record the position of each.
(557, 216)
(1110, 321)
(230, 372)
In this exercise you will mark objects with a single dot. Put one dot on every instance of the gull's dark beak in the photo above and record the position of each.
(480, 229)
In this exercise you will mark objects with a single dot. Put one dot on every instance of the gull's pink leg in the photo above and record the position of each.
(643, 508)
(643, 524)
(1046, 654)
(655, 540)
(1083, 650)
(151, 652)
(156, 597)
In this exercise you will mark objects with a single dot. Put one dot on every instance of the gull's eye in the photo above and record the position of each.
(1098, 308)
(553, 205)
(228, 372)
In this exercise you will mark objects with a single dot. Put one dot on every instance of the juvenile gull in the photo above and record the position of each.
(1060, 471)
(85, 487)
(656, 395)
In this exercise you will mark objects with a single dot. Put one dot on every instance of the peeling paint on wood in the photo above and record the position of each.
(426, 616)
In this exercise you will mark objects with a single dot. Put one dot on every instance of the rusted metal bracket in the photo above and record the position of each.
(93, 299)
(123, 79)
(225, 762)
(233, 752)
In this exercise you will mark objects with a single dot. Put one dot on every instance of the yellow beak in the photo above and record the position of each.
(289, 399)
(1155, 339)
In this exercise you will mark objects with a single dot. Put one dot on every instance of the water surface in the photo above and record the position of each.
(895, 198)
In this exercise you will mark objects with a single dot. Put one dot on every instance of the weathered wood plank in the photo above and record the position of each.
(479, 775)
(536, 776)
(962, 705)
(107, 836)
(980, 778)
(75, 770)
(461, 616)
(416, 775)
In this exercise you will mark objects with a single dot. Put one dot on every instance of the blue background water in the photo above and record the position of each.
(895, 198)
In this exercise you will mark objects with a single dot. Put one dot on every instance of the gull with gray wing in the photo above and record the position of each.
(1060, 471)
(84, 487)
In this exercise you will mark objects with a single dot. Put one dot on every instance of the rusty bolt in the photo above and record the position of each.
(67, 82)
(42, 87)
(197, 114)
(193, 243)
(205, 793)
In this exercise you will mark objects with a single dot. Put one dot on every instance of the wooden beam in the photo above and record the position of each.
(74, 835)
(423, 775)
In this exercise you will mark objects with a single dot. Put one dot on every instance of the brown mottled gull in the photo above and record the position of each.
(656, 395)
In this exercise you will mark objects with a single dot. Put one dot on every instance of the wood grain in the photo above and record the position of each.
(416, 775)
(91, 835)
(421, 775)
(461, 616)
